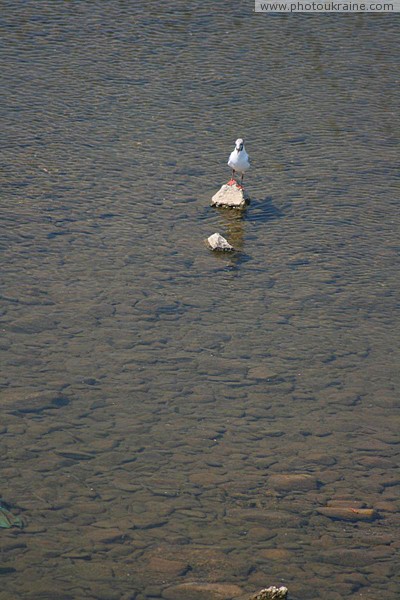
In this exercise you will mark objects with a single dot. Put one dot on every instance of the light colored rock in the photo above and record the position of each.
(271, 593)
(293, 481)
(347, 513)
(274, 519)
(230, 196)
(217, 242)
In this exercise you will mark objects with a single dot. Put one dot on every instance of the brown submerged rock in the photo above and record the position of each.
(168, 568)
(262, 372)
(348, 558)
(260, 533)
(33, 324)
(16, 400)
(271, 518)
(288, 482)
(203, 591)
(347, 513)
(106, 536)
(386, 506)
(279, 554)
(69, 452)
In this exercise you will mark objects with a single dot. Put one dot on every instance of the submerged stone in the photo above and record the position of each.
(169, 568)
(289, 482)
(75, 454)
(203, 591)
(347, 513)
(279, 554)
(16, 400)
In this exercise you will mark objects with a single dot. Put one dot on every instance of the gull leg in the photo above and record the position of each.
(232, 181)
(240, 186)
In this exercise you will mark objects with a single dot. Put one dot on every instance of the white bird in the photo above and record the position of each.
(239, 162)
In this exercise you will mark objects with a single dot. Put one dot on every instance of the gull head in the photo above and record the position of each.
(239, 144)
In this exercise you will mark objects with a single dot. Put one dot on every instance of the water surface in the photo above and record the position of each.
(152, 391)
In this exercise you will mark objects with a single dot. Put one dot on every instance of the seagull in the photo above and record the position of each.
(238, 161)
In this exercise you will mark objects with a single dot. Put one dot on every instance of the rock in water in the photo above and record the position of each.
(347, 513)
(271, 593)
(289, 482)
(203, 591)
(217, 242)
(230, 196)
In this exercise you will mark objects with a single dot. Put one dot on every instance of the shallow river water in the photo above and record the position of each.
(176, 424)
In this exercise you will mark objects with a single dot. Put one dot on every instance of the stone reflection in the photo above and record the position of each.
(234, 226)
